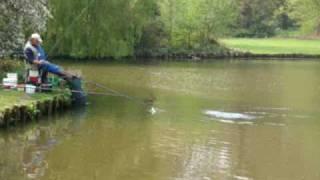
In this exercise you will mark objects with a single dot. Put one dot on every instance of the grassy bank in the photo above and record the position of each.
(274, 46)
(18, 106)
(11, 98)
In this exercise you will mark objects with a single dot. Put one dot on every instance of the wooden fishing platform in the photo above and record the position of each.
(20, 108)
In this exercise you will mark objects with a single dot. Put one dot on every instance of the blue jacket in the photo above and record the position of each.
(30, 53)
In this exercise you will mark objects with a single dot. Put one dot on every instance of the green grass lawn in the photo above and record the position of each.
(274, 46)
(10, 98)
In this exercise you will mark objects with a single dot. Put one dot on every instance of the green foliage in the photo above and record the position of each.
(117, 28)
(307, 12)
(97, 28)
(262, 18)
(18, 18)
(10, 66)
(196, 23)
(120, 28)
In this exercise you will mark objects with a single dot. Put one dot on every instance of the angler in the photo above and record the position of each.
(36, 57)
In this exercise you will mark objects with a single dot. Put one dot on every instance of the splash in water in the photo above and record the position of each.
(153, 110)
(228, 115)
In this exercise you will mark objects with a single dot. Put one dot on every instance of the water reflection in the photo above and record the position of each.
(121, 139)
(24, 150)
(38, 141)
(114, 144)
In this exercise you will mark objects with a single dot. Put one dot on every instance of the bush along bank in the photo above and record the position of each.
(12, 65)
(218, 53)
(181, 53)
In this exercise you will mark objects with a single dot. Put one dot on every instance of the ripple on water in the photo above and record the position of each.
(231, 117)
(271, 116)
(241, 178)
(228, 115)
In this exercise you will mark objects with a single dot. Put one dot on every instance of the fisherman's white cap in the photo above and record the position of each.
(36, 36)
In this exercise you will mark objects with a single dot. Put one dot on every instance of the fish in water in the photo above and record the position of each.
(228, 115)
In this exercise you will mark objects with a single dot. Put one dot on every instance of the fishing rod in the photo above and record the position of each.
(111, 92)
(72, 91)
(64, 90)
(152, 109)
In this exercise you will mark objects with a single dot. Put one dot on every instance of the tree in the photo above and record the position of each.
(307, 12)
(97, 28)
(261, 18)
(217, 18)
(17, 20)
(196, 23)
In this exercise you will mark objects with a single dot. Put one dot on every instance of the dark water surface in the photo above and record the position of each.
(219, 120)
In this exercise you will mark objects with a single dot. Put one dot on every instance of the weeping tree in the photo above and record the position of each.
(96, 28)
(17, 20)
(117, 28)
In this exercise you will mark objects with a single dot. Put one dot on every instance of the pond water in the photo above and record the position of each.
(215, 120)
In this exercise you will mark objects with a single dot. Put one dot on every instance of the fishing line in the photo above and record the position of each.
(117, 93)
(74, 91)
(152, 109)
(113, 93)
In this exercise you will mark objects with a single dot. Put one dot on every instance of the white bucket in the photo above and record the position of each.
(9, 82)
(33, 73)
(30, 89)
(12, 76)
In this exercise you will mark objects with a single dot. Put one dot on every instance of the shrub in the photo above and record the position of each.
(10, 66)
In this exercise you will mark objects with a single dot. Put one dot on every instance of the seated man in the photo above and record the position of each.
(36, 55)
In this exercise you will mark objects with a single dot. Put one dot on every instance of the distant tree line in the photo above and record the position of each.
(266, 18)
(119, 28)
(262, 18)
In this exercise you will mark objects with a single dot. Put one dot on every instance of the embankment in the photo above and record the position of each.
(20, 108)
